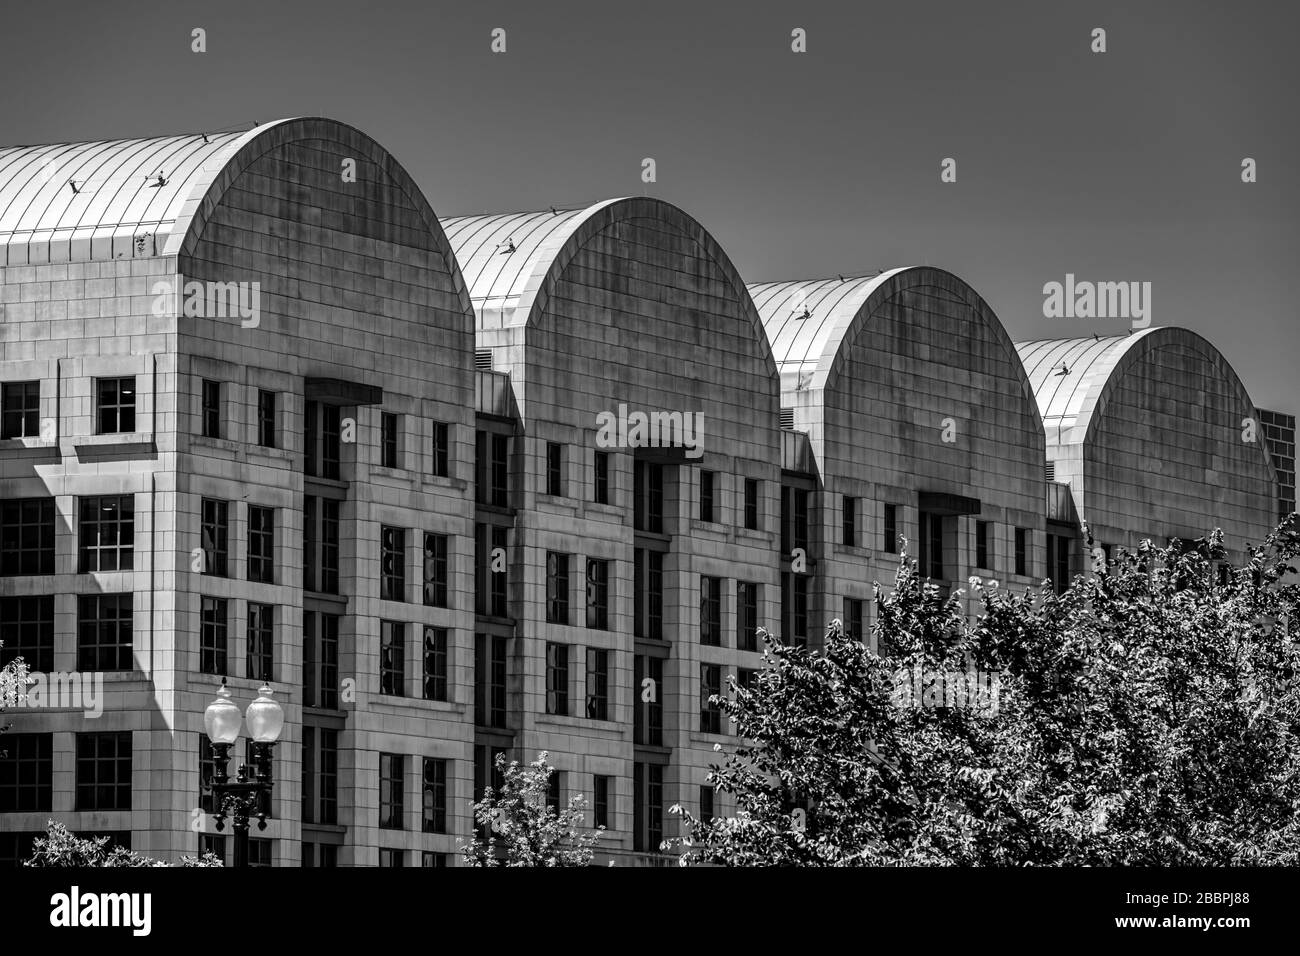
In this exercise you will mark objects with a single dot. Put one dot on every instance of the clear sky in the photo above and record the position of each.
(1122, 166)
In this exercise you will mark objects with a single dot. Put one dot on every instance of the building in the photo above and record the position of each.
(1279, 436)
(266, 418)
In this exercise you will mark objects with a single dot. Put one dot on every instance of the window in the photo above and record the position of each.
(794, 519)
(647, 806)
(213, 639)
(320, 656)
(648, 717)
(320, 775)
(746, 678)
(555, 790)
(432, 859)
(265, 418)
(794, 608)
(557, 679)
(706, 495)
(490, 575)
(388, 440)
(706, 803)
(601, 801)
(435, 663)
(27, 773)
(392, 564)
(261, 544)
(26, 536)
(207, 770)
(597, 594)
(392, 658)
(104, 626)
(853, 621)
(485, 770)
(104, 771)
(391, 774)
(751, 504)
(216, 845)
(554, 469)
(600, 478)
(557, 588)
(1022, 551)
(214, 534)
(435, 795)
(392, 858)
(261, 642)
(211, 413)
(1058, 561)
(983, 554)
(115, 405)
(711, 611)
(27, 631)
(746, 616)
(490, 680)
(648, 594)
(321, 440)
(260, 852)
(107, 538)
(597, 684)
(710, 684)
(20, 410)
(890, 544)
(931, 546)
(850, 522)
(441, 450)
(648, 497)
(492, 466)
(435, 570)
(320, 542)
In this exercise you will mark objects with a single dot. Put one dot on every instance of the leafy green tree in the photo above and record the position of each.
(1148, 716)
(62, 848)
(524, 830)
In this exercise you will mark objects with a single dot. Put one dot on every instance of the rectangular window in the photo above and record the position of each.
(854, 623)
(1022, 551)
(600, 478)
(27, 773)
(320, 775)
(388, 450)
(890, 543)
(392, 563)
(557, 679)
(597, 684)
(648, 497)
(602, 801)
(648, 716)
(391, 783)
(435, 570)
(321, 431)
(211, 413)
(492, 467)
(431, 859)
(214, 533)
(266, 418)
(392, 858)
(435, 795)
(751, 504)
(931, 546)
(554, 469)
(706, 803)
(707, 479)
(115, 405)
(983, 553)
(850, 523)
(103, 771)
(213, 639)
(555, 790)
(647, 807)
(490, 680)
(320, 656)
(490, 581)
(794, 608)
(746, 678)
(441, 450)
(261, 642)
(557, 588)
(320, 541)
(435, 663)
(207, 770)
(107, 534)
(27, 536)
(648, 594)
(711, 611)
(392, 658)
(27, 631)
(261, 544)
(794, 519)
(597, 594)
(104, 627)
(20, 410)
(746, 616)
(710, 684)
(1058, 561)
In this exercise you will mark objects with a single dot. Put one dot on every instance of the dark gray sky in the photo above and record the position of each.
(1115, 166)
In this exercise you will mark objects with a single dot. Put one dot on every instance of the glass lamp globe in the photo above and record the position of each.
(221, 719)
(265, 717)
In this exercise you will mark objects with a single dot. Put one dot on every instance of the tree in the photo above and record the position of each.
(1148, 716)
(524, 830)
(13, 685)
(62, 848)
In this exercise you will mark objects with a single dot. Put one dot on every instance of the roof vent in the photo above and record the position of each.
(483, 360)
(787, 418)
(1051, 471)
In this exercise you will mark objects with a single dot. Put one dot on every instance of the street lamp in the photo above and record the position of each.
(244, 798)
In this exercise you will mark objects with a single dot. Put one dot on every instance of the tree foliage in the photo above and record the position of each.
(523, 830)
(60, 847)
(1148, 716)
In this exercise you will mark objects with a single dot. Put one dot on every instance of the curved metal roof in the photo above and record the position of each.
(97, 191)
(1069, 375)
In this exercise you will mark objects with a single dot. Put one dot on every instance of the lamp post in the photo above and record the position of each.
(244, 798)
